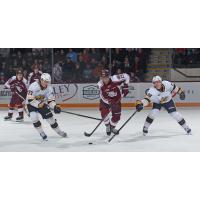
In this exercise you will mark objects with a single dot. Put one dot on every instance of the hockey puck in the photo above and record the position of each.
(90, 143)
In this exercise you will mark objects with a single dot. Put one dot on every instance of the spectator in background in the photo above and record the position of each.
(2, 78)
(47, 66)
(77, 73)
(62, 55)
(95, 54)
(24, 65)
(85, 56)
(67, 69)
(127, 66)
(119, 55)
(97, 71)
(72, 55)
(87, 73)
(134, 78)
(136, 65)
(57, 73)
(35, 64)
(104, 60)
(93, 63)
(130, 54)
(81, 62)
(15, 64)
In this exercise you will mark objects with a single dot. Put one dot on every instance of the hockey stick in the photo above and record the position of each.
(25, 108)
(90, 134)
(81, 115)
(122, 126)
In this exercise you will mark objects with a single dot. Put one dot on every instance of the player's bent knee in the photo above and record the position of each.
(55, 125)
(37, 124)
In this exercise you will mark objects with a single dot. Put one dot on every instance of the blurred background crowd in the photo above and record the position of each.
(74, 65)
(84, 64)
(186, 56)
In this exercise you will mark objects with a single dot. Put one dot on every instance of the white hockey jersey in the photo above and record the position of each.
(37, 95)
(161, 97)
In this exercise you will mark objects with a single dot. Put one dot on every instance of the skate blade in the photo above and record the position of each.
(19, 120)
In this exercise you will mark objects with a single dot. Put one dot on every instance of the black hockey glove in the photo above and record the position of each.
(182, 95)
(57, 109)
(139, 105)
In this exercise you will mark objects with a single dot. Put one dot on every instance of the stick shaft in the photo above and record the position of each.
(122, 126)
(85, 116)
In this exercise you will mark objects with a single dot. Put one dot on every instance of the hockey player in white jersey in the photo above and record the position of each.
(40, 100)
(161, 95)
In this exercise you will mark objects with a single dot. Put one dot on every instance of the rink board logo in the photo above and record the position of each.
(65, 92)
(5, 93)
(90, 92)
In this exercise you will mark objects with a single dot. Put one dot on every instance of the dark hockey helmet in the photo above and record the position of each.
(19, 72)
(105, 73)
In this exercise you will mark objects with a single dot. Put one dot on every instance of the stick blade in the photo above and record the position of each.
(87, 134)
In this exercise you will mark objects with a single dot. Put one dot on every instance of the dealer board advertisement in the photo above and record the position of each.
(89, 93)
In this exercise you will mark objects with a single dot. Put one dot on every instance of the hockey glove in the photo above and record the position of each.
(57, 109)
(139, 105)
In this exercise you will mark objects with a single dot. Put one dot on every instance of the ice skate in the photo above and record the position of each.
(20, 119)
(7, 118)
(62, 134)
(108, 130)
(188, 131)
(44, 136)
(114, 130)
(145, 131)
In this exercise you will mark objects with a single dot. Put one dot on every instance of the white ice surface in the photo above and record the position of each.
(164, 135)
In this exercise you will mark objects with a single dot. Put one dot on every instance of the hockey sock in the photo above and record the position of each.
(106, 120)
(177, 116)
(183, 124)
(21, 112)
(10, 112)
(54, 125)
(38, 127)
(148, 122)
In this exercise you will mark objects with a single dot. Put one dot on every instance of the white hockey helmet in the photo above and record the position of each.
(156, 78)
(46, 77)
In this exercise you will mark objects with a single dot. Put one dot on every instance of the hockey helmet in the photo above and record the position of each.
(46, 77)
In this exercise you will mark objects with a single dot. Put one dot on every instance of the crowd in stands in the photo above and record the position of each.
(25, 60)
(186, 57)
(84, 65)
(74, 65)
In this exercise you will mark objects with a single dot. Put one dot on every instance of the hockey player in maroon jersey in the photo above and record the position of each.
(18, 87)
(35, 75)
(110, 98)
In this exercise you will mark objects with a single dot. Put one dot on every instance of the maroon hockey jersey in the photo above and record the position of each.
(34, 77)
(111, 93)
